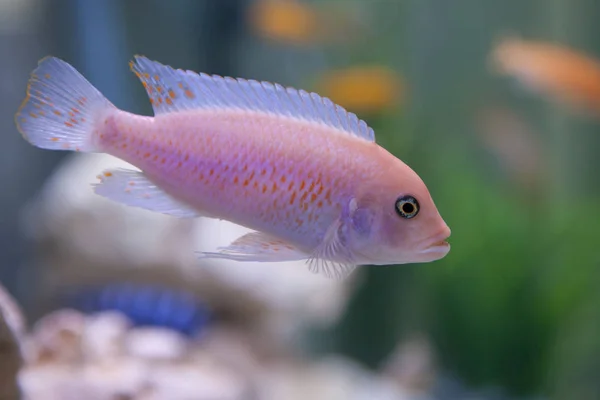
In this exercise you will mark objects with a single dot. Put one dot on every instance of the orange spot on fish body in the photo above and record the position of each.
(302, 184)
(236, 180)
(67, 123)
(283, 178)
(312, 186)
(56, 112)
(304, 196)
(107, 174)
(293, 197)
(171, 93)
(47, 76)
(264, 188)
(54, 139)
(313, 197)
(32, 115)
(156, 77)
(328, 196)
(246, 182)
(320, 204)
(189, 94)
(169, 101)
(75, 110)
(274, 187)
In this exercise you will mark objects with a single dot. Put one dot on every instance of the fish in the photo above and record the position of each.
(565, 75)
(143, 304)
(299, 23)
(303, 174)
(369, 89)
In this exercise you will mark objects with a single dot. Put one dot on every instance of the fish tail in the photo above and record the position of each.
(62, 108)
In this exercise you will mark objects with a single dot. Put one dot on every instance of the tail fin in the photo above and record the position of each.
(61, 108)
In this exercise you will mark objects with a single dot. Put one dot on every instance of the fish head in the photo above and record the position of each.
(395, 221)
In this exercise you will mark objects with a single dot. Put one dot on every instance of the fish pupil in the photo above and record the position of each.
(408, 208)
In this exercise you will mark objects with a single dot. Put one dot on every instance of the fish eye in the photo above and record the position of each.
(407, 207)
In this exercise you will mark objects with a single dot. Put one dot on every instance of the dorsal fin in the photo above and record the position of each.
(176, 90)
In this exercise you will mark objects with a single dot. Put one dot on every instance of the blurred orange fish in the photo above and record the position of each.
(565, 75)
(300, 171)
(296, 22)
(365, 89)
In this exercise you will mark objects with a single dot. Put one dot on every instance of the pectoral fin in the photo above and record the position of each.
(332, 258)
(134, 189)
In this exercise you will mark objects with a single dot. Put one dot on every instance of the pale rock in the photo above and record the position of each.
(104, 334)
(155, 344)
(121, 235)
(192, 382)
(56, 338)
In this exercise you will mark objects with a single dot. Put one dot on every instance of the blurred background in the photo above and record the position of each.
(494, 104)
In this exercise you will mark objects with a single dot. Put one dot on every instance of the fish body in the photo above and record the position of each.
(303, 173)
(291, 180)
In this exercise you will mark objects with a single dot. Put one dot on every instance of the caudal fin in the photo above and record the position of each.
(61, 108)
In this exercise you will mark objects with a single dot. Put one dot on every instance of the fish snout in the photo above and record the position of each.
(437, 243)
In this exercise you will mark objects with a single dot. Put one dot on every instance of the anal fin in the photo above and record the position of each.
(258, 247)
(132, 188)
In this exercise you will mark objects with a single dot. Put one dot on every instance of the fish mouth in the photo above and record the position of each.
(439, 244)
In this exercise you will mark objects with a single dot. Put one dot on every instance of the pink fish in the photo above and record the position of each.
(303, 173)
